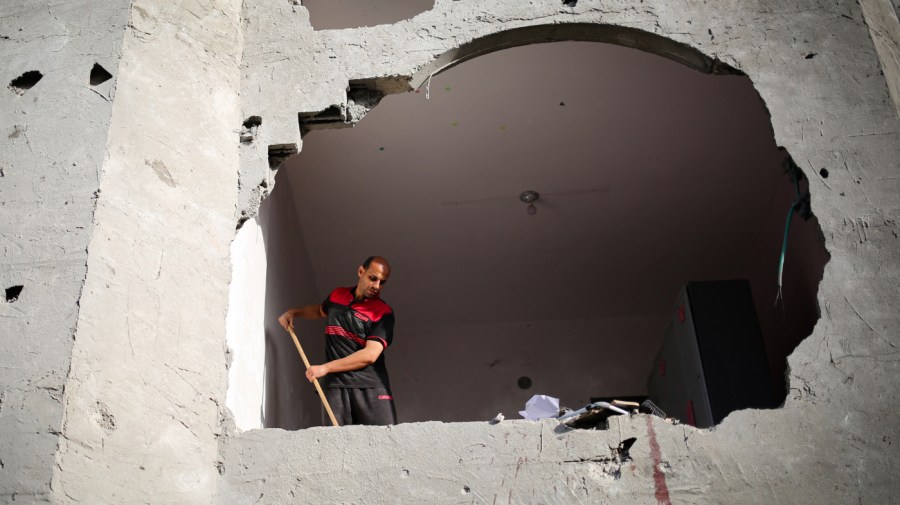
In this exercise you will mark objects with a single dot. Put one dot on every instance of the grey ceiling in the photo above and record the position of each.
(651, 174)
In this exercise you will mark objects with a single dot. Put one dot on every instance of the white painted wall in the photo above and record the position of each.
(271, 273)
(244, 331)
(291, 402)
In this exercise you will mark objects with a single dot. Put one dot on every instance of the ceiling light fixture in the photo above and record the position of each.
(530, 197)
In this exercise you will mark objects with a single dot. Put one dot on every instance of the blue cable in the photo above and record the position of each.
(787, 227)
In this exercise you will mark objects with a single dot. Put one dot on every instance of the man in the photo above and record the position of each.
(360, 326)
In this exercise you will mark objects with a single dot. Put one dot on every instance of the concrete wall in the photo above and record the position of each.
(144, 399)
(144, 418)
(833, 441)
(52, 145)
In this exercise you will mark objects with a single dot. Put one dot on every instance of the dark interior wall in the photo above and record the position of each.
(698, 210)
(470, 372)
(785, 324)
(290, 401)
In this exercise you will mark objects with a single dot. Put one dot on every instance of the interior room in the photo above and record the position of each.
(541, 207)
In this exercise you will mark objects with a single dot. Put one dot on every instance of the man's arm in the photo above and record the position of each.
(309, 312)
(360, 359)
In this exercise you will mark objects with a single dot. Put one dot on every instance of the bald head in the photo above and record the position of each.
(376, 259)
(373, 275)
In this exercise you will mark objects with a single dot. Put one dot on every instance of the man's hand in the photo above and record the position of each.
(287, 319)
(311, 312)
(360, 359)
(315, 372)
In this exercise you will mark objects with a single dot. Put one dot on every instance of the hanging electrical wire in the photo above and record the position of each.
(801, 205)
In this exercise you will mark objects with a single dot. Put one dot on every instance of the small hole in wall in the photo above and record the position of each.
(99, 75)
(810, 56)
(25, 81)
(249, 127)
(824, 173)
(12, 293)
(524, 382)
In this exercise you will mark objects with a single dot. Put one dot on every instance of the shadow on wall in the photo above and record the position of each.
(290, 401)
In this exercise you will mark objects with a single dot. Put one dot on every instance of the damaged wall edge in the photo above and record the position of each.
(364, 93)
(712, 41)
(361, 97)
(583, 32)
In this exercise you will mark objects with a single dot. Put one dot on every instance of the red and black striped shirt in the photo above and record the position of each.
(350, 323)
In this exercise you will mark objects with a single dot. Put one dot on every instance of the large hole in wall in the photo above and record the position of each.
(652, 178)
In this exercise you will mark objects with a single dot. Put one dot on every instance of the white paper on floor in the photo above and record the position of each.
(540, 407)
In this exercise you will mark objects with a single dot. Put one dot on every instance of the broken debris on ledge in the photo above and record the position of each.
(591, 416)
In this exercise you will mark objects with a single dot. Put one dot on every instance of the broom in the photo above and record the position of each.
(315, 381)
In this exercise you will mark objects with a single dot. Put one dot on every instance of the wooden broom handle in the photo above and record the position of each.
(315, 381)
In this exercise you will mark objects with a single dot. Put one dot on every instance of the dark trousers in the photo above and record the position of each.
(374, 406)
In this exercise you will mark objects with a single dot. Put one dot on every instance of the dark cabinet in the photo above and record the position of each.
(713, 360)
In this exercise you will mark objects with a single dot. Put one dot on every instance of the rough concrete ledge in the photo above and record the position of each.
(431, 463)
(753, 457)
